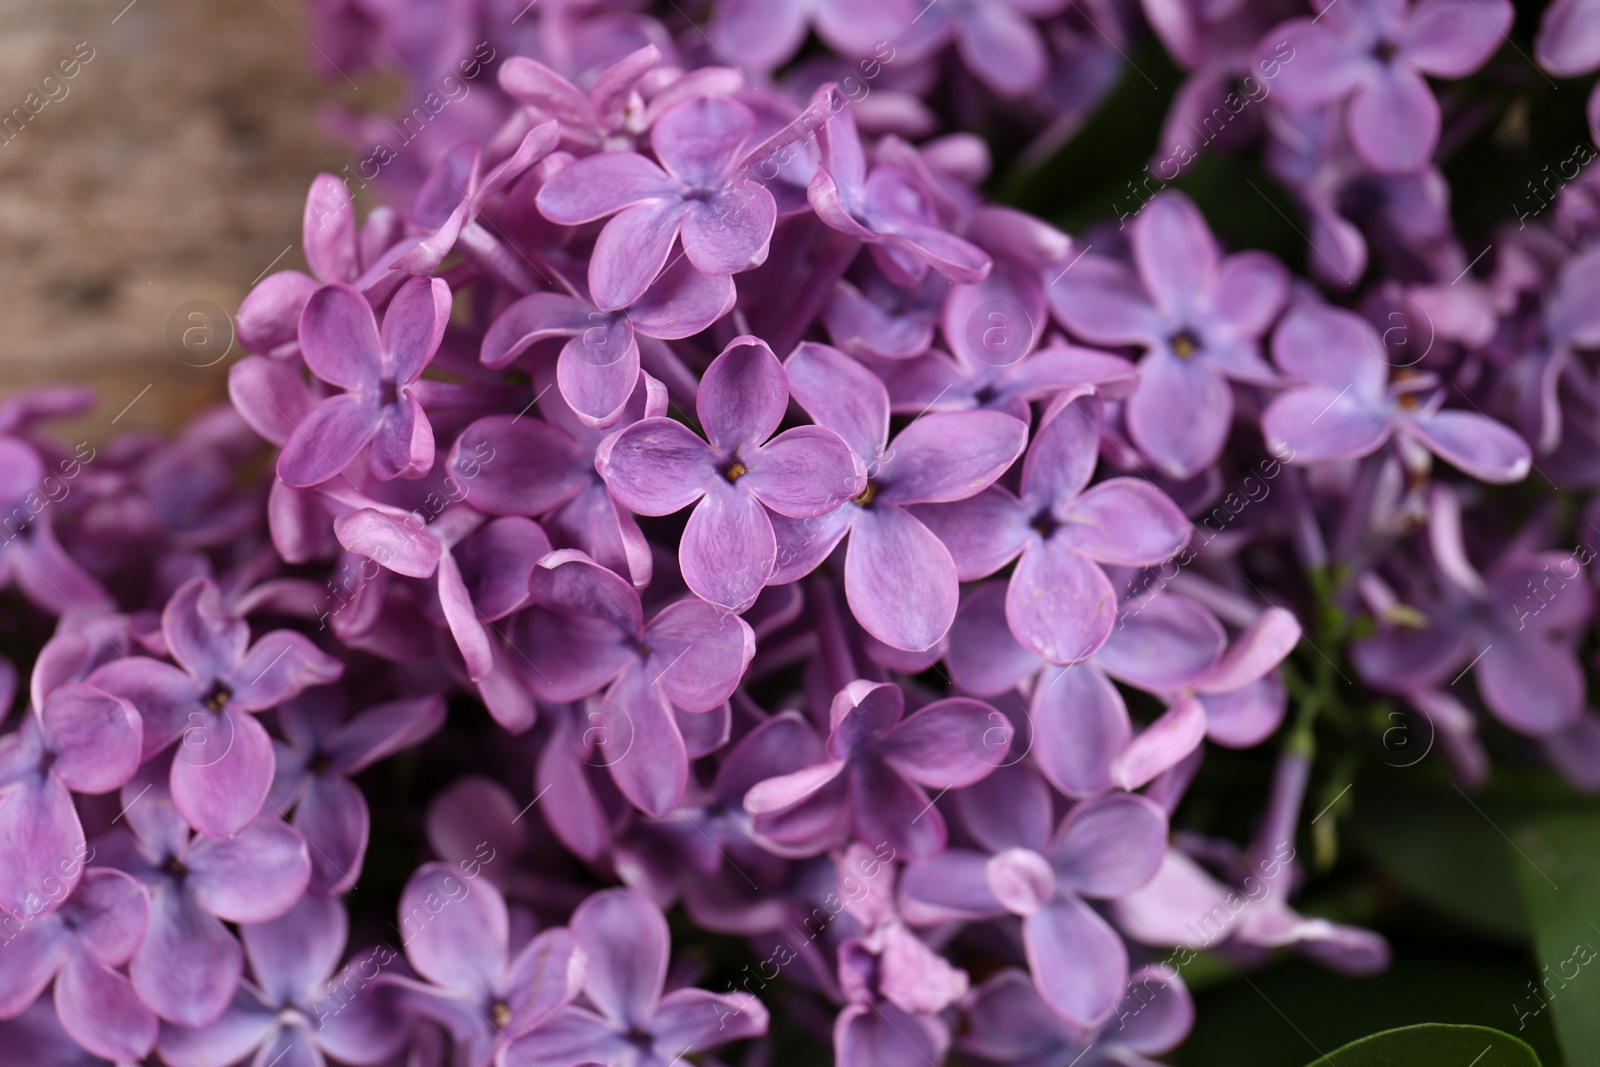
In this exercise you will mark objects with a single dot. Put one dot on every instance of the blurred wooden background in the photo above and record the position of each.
(173, 169)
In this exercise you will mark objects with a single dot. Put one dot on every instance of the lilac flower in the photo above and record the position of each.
(996, 39)
(224, 767)
(936, 382)
(269, 318)
(1008, 1022)
(712, 837)
(1103, 849)
(556, 477)
(458, 937)
(596, 118)
(1374, 53)
(31, 555)
(453, 196)
(895, 986)
(725, 221)
(320, 751)
(615, 108)
(1185, 906)
(296, 1011)
(1080, 721)
(1537, 348)
(80, 739)
(871, 785)
(1510, 625)
(1060, 603)
(767, 33)
(886, 209)
(625, 1021)
(188, 965)
(1197, 315)
(80, 947)
(1238, 702)
(874, 316)
(1566, 45)
(1349, 407)
(737, 478)
(599, 366)
(899, 577)
(341, 344)
(587, 633)
(479, 571)
(37, 1037)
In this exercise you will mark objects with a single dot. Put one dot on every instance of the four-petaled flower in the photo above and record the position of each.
(658, 466)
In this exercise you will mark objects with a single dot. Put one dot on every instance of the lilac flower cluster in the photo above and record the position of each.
(847, 561)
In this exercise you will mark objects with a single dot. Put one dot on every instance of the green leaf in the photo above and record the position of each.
(1289, 1011)
(1443, 852)
(1433, 1045)
(1561, 889)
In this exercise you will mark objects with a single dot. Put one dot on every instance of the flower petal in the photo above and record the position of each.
(1081, 726)
(1488, 450)
(455, 930)
(887, 808)
(328, 439)
(1060, 603)
(600, 185)
(742, 395)
(99, 1009)
(1127, 521)
(1181, 413)
(1450, 39)
(732, 231)
(1175, 253)
(1394, 121)
(1078, 962)
(188, 965)
(256, 875)
(626, 939)
(413, 327)
(1101, 300)
(222, 772)
(96, 738)
(1161, 745)
(899, 579)
(545, 976)
(294, 954)
(658, 466)
(631, 250)
(698, 653)
(332, 815)
(841, 394)
(550, 469)
(1533, 685)
(948, 744)
(278, 667)
(1111, 846)
(728, 549)
(950, 455)
(597, 372)
(403, 445)
(805, 472)
(1162, 643)
(339, 338)
(1318, 424)
(638, 736)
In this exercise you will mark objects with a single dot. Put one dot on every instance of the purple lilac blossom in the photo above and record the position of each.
(742, 475)
(1197, 314)
(887, 784)
(1374, 54)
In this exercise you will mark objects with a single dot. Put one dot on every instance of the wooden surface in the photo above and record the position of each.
(172, 170)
